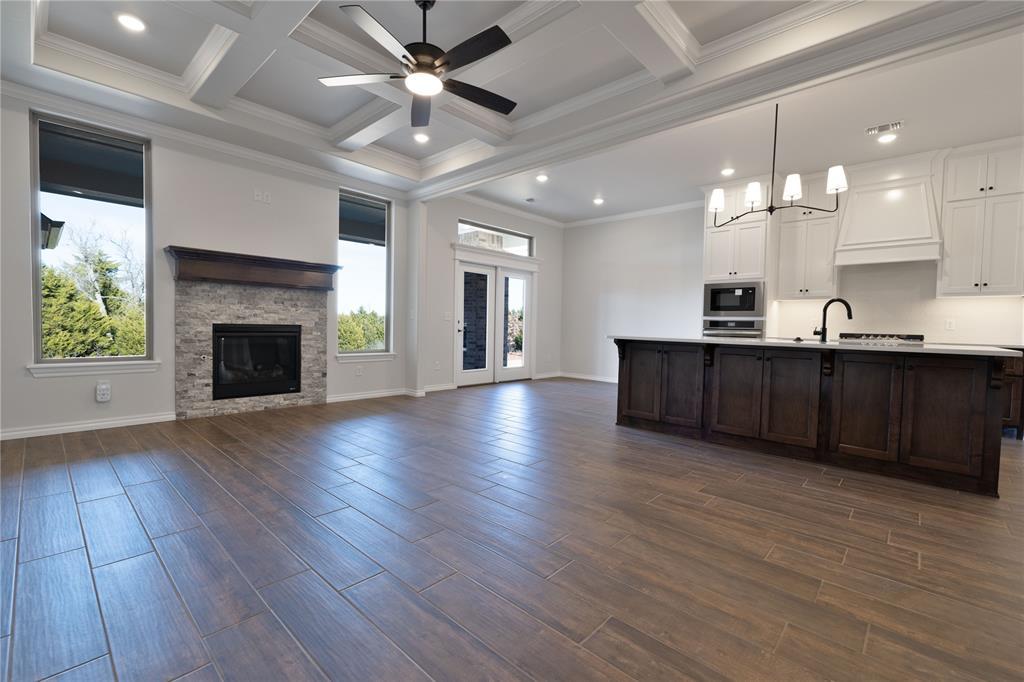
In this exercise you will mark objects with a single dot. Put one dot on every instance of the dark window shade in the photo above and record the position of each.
(362, 220)
(81, 163)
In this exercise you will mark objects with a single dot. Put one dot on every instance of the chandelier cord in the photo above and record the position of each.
(775, 146)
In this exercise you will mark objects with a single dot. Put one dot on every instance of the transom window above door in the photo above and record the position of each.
(494, 239)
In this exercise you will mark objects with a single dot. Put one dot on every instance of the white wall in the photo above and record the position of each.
(437, 334)
(638, 276)
(200, 198)
(900, 297)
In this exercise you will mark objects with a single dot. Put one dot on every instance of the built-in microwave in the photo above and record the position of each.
(734, 299)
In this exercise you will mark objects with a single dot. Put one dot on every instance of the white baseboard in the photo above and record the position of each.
(589, 377)
(438, 387)
(88, 425)
(366, 395)
(547, 375)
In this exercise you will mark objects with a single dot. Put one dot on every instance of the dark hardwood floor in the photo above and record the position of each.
(498, 532)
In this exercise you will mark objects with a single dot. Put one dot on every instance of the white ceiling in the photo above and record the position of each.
(589, 76)
(941, 98)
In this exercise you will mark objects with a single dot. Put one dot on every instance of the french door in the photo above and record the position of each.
(493, 324)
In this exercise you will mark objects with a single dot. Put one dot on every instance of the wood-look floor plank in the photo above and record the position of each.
(436, 643)
(45, 471)
(213, 590)
(160, 508)
(208, 673)
(643, 657)
(344, 644)
(96, 670)
(151, 634)
(57, 622)
(406, 495)
(260, 649)
(198, 489)
(398, 556)
(49, 525)
(261, 557)
(408, 524)
(112, 530)
(8, 559)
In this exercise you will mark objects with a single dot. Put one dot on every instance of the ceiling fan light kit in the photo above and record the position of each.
(792, 191)
(424, 63)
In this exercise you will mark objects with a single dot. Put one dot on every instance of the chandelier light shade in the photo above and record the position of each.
(753, 195)
(836, 181)
(792, 189)
(717, 202)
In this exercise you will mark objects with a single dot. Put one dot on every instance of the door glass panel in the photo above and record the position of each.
(474, 320)
(514, 325)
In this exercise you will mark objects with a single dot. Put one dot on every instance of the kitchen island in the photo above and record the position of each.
(927, 412)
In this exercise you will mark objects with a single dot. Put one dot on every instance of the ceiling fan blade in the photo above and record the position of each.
(375, 30)
(479, 46)
(358, 79)
(484, 98)
(420, 111)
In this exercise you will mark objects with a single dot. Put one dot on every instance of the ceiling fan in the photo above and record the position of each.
(423, 64)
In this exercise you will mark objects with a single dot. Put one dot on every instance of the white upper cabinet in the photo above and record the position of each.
(734, 252)
(813, 191)
(734, 206)
(983, 248)
(807, 258)
(985, 174)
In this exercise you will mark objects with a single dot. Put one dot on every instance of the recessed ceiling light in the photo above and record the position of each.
(422, 138)
(598, 201)
(131, 22)
(728, 171)
(529, 200)
(887, 138)
(76, 191)
(542, 178)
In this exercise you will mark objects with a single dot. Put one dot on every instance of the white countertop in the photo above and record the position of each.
(814, 344)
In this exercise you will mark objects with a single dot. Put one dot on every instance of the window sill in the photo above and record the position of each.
(46, 370)
(345, 358)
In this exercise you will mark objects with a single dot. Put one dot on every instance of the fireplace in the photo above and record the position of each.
(256, 359)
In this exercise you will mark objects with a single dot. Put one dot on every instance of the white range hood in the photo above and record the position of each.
(890, 214)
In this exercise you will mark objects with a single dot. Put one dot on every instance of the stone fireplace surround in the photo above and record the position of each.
(212, 288)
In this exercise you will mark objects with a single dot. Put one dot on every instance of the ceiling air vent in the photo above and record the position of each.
(883, 128)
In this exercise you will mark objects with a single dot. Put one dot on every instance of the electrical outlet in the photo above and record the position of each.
(950, 324)
(359, 370)
(261, 196)
(103, 391)
(437, 365)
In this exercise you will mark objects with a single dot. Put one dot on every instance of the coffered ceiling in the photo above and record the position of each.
(587, 76)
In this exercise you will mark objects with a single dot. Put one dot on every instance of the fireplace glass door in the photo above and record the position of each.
(250, 360)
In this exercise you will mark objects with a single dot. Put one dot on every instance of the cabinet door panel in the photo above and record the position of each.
(867, 398)
(939, 432)
(642, 393)
(748, 262)
(1002, 270)
(966, 177)
(820, 254)
(739, 197)
(736, 400)
(1012, 401)
(718, 253)
(962, 226)
(792, 259)
(1005, 172)
(815, 195)
(789, 397)
(682, 385)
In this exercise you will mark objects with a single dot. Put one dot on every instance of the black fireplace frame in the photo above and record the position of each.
(222, 391)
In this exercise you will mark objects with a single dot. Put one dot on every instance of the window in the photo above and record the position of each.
(92, 240)
(495, 239)
(364, 281)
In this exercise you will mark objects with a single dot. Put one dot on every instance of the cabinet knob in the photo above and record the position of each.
(981, 189)
(991, 187)
(985, 284)
(975, 284)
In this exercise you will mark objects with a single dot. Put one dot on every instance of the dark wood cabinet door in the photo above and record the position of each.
(789, 397)
(944, 413)
(736, 391)
(867, 400)
(682, 385)
(1012, 388)
(641, 394)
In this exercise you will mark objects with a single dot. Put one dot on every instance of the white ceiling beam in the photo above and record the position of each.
(654, 35)
(660, 16)
(368, 124)
(271, 26)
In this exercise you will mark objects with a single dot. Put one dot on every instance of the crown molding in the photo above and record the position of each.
(244, 106)
(490, 122)
(585, 101)
(504, 208)
(661, 210)
(454, 152)
(216, 44)
(107, 60)
(527, 14)
(71, 108)
(671, 29)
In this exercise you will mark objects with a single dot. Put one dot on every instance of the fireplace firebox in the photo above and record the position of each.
(256, 359)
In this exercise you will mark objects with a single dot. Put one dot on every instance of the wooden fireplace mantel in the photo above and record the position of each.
(240, 268)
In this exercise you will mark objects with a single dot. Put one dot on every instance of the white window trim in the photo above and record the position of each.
(389, 318)
(365, 356)
(48, 370)
(475, 254)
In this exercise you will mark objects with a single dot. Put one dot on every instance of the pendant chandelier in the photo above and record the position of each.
(792, 191)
